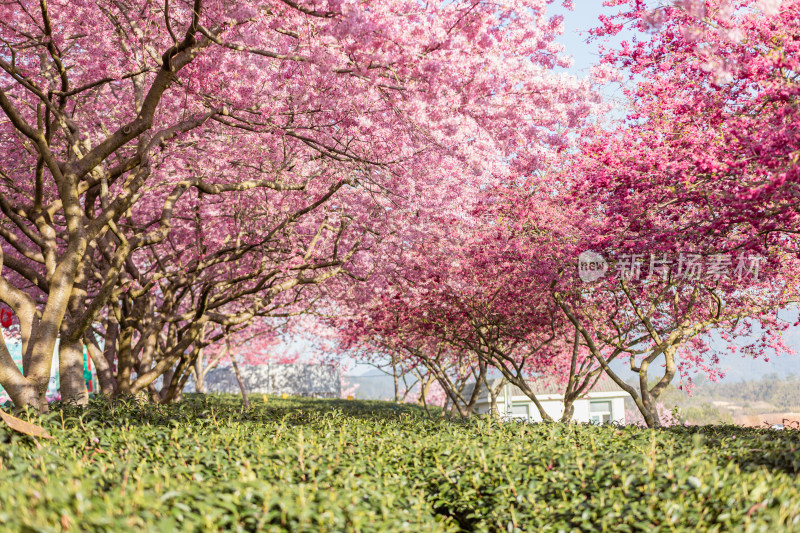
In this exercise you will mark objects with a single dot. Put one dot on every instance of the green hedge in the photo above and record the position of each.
(331, 465)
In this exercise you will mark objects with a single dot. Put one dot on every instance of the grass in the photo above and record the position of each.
(336, 465)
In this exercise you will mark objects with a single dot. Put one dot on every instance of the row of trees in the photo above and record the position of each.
(687, 209)
(173, 173)
(421, 177)
(507, 298)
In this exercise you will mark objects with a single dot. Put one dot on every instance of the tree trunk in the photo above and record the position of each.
(493, 394)
(166, 382)
(72, 379)
(476, 391)
(124, 357)
(21, 390)
(569, 410)
(50, 324)
(111, 345)
(424, 386)
(394, 375)
(104, 374)
(199, 374)
(238, 375)
(447, 405)
(70, 370)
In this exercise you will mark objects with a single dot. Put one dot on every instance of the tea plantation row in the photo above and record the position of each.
(330, 465)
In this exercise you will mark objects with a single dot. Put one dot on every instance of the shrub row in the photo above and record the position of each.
(330, 465)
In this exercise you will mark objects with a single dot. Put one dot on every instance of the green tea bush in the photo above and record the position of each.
(330, 465)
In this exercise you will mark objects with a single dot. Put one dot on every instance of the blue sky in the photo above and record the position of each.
(577, 24)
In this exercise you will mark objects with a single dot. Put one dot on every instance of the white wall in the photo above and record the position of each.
(554, 406)
(618, 407)
(581, 413)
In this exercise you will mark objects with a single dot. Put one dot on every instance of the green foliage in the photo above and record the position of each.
(783, 393)
(332, 465)
(705, 414)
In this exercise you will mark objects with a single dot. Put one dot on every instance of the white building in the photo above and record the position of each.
(604, 403)
(294, 379)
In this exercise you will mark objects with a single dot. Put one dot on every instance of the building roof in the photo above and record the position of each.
(545, 386)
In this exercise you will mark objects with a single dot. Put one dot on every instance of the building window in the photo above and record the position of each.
(600, 412)
(519, 410)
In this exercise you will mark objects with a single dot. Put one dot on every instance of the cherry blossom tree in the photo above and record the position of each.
(657, 300)
(668, 322)
(710, 137)
(482, 295)
(196, 290)
(119, 113)
(694, 192)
